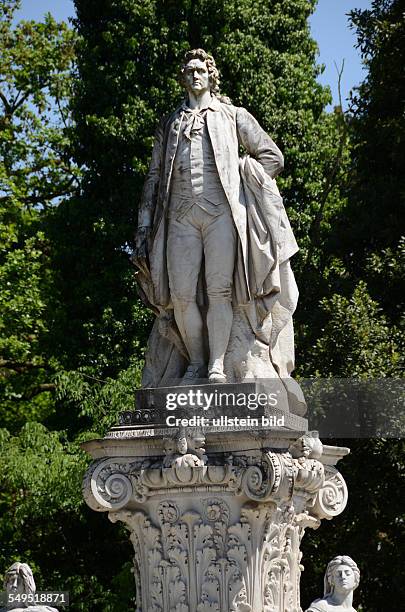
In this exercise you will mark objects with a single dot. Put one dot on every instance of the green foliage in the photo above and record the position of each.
(44, 521)
(35, 61)
(41, 474)
(21, 301)
(369, 346)
(25, 279)
(36, 169)
(102, 401)
(361, 255)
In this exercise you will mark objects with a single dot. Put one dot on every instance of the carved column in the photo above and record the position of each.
(216, 521)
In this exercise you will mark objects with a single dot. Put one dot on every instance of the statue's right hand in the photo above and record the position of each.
(141, 251)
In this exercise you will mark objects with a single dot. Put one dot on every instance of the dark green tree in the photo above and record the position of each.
(368, 243)
(376, 203)
(360, 328)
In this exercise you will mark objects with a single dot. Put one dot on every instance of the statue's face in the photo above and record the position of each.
(15, 584)
(196, 77)
(343, 578)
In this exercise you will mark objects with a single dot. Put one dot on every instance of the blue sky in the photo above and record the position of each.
(329, 26)
(330, 29)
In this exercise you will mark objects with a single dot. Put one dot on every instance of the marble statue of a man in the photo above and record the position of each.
(19, 581)
(203, 247)
(342, 576)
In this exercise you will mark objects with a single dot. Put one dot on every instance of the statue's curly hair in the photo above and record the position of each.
(332, 565)
(213, 71)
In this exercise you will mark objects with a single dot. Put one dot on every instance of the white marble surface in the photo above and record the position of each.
(214, 243)
(216, 525)
(342, 577)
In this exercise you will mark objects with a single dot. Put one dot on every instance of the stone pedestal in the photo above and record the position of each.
(216, 517)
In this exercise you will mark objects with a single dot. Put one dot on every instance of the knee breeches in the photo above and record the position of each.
(197, 234)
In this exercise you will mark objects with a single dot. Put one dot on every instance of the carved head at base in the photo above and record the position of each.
(341, 573)
(342, 577)
(19, 580)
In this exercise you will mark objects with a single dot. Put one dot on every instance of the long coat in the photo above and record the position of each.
(228, 127)
(263, 280)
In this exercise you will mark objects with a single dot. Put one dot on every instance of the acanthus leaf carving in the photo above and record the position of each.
(208, 556)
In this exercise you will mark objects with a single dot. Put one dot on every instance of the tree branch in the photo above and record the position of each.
(314, 230)
(31, 393)
(32, 200)
(19, 102)
(21, 366)
(6, 103)
(339, 84)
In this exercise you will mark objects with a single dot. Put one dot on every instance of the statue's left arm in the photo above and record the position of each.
(258, 143)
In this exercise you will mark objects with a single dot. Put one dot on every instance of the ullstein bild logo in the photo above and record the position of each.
(205, 401)
(225, 421)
